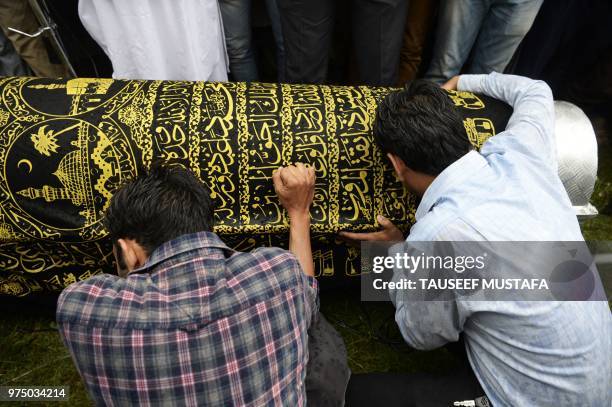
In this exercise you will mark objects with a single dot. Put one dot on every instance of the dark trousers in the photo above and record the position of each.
(327, 373)
(569, 47)
(420, 21)
(377, 28)
(416, 389)
(18, 14)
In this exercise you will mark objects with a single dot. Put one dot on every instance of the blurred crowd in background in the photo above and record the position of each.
(567, 43)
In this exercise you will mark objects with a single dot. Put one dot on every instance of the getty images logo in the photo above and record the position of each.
(411, 263)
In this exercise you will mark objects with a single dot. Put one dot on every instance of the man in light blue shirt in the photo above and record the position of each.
(522, 353)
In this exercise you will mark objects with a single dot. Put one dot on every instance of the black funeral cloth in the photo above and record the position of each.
(66, 145)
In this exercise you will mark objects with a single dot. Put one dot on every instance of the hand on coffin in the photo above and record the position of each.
(389, 233)
(451, 84)
(294, 186)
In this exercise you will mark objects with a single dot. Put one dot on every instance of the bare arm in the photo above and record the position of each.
(299, 243)
(294, 186)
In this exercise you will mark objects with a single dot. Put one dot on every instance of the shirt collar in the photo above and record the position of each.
(452, 175)
(182, 244)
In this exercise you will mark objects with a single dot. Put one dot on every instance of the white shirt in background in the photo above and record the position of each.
(159, 39)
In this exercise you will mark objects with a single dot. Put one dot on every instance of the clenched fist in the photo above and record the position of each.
(294, 186)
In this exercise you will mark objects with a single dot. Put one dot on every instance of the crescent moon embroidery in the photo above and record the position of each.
(26, 162)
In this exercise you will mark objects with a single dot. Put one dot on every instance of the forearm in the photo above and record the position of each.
(299, 242)
(533, 119)
(528, 97)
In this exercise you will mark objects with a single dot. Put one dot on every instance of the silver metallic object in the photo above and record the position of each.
(576, 156)
(33, 35)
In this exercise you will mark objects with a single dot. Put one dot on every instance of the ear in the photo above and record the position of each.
(130, 256)
(398, 164)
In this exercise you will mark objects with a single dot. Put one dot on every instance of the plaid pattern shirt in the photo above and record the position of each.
(199, 324)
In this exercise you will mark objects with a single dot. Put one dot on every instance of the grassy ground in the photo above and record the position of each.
(31, 352)
(600, 227)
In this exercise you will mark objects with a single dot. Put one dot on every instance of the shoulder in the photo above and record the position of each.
(276, 257)
(266, 260)
(269, 272)
(88, 296)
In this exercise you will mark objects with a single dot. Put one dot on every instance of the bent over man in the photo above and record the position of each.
(521, 353)
(189, 321)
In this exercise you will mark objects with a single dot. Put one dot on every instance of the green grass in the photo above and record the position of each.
(600, 227)
(31, 352)
(373, 341)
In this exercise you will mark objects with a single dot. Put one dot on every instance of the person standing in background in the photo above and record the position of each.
(163, 40)
(419, 22)
(377, 27)
(490, 30)
(11, 63)
(18, 14)
(570, 47)
(238, 37)
(575, 60)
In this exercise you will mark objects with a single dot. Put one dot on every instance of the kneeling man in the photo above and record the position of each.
(189, 321)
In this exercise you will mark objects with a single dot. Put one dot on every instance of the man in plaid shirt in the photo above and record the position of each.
(189, 321)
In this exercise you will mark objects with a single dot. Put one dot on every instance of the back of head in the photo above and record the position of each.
(158, 205)
(420, 125)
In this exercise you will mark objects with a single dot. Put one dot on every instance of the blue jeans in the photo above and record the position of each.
(236, 16)
(490, 29)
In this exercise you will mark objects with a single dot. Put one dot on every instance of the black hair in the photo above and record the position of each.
(158, 205)
(421, 125)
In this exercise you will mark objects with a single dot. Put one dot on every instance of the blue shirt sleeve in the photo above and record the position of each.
(530, 130)
(427, 324)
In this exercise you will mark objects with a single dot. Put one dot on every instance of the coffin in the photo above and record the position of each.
(66, 145)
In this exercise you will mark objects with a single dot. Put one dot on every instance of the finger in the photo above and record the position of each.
(277, 179)
(286, 175)
(350, 242)
(301, 171)
(384, 222)
(291, 169)
(312, 175)
(296, 176)
(451, 84)
(276, 174)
